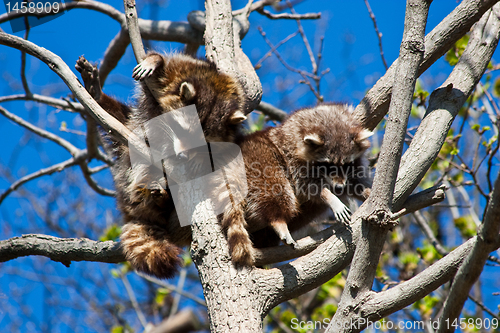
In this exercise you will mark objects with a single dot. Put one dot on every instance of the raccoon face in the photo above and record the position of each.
(334, 147)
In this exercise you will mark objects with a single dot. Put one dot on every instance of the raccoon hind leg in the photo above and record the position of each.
(281, 228)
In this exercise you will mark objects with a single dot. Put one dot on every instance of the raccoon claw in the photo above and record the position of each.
(290, 241)
(344, 215)
(142, 71)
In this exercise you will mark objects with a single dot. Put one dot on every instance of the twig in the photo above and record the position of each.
(41, 132)
(133, 300)
(179, 287)
(255, 6)
(304, 38)
(270, 52)
(374, 105)
(23, 62)
(483, 307)
(43, 172)
(426, 229)
(172, 288)
(91, 182)
(379, 34)
(308, 16)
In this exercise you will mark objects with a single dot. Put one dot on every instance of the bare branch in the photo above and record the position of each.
(375, 104)
(374, 214)
(488, 240)
(108, 122)
(84, 4)
(134, 31)
(115, 51)
(288, 16)
(256, 6)
(379, 34)
(63, 250)
(43, 172)
(380, 305)
(421, 200)
(181, 322)
(304, 38)
(271, 111)
(173, 288)
(429, 234)
(41, 132)
(63, 104)
(307, 244)
(445, 103)
(275, 47)
(225, 50)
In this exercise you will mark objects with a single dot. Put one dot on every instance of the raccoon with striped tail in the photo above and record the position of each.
(293, 171)
(151, 237)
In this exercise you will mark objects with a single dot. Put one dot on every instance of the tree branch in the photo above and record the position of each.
(225, 49)
(42, 172)
(445, 103)
(271, 111)
(487, 240)
(41, 132)
(380, 305)
(288, 16)
(108, 122)
(375, 104)
(375, 213)
(63, 104)
(63, 250)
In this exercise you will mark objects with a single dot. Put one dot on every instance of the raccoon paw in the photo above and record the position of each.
(90, 77)
(342, 213)
(143, 70)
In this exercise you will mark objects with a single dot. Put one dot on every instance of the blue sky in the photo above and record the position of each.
(350, 52)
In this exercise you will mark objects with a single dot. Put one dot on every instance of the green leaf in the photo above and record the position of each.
(117, 329)
(161, 293)
(456, 51)
(475, 127)
(111, 233)
(466, 226)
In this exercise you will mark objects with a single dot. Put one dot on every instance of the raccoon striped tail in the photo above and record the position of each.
(148, 250)
(240, 245)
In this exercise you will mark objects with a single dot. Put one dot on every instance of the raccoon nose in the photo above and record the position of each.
(183, 156)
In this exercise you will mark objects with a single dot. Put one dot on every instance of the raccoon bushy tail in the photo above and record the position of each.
(240, 244)
(148, 249)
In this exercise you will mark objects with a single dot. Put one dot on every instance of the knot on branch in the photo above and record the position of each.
(382, 218)
(414, 46)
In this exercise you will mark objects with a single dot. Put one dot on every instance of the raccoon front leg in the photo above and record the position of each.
(281, 229)
(341, 212)
(90, 77)
(147, 67)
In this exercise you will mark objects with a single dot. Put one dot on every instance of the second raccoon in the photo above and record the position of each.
(292, 173)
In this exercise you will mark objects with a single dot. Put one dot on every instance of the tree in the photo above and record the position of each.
(239, 299)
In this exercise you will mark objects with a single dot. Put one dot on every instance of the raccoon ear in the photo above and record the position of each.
(187, 91)
(364, 134)
(313, 139)
(237, 118)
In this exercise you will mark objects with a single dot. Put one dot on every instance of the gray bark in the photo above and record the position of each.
(375, 213)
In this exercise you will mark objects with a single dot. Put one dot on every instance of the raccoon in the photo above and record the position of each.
(151, 237)
(293, 171)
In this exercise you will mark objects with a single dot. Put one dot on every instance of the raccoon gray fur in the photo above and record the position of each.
(151, 237)
(293, 171)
